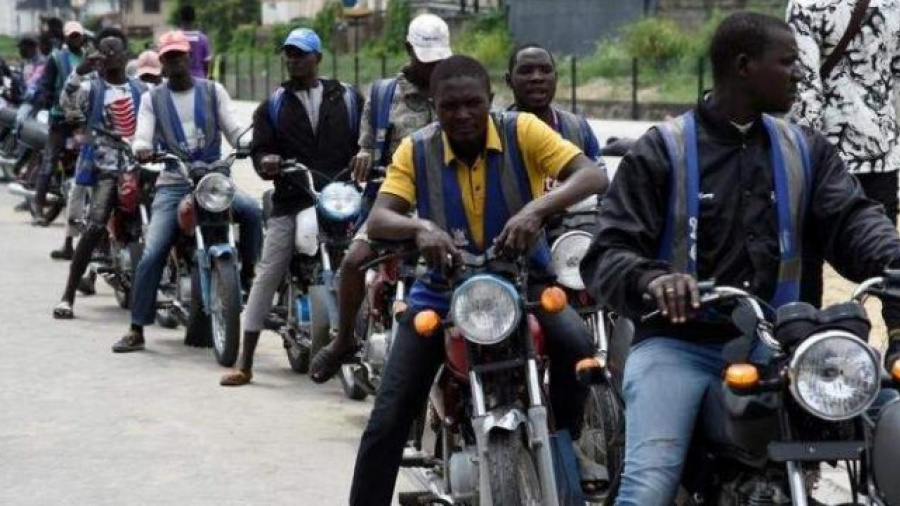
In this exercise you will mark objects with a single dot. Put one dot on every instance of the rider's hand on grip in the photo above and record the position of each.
(676, 295)
(519, 233)
(437, 247)
(143, 155)
(360, 165)
(270, 165)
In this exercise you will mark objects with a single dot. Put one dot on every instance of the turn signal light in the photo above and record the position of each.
(742, 376)
(427, 323)
(553, 299)
(895, 371)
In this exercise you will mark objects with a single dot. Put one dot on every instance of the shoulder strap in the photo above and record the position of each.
(679, 241)
(95, 101)
(352, 103)
(381, 98)
(853, 29)
(275, 103)
(429, 166)
(570, 128)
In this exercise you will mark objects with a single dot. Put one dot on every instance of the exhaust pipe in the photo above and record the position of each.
(19, 190)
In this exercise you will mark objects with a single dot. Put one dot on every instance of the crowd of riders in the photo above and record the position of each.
(729, 191)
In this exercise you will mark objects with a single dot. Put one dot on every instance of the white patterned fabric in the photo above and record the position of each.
(854, 105)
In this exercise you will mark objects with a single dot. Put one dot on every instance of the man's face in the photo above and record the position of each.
(75, 41)
(113, 51)
(301, 64)
(462, 105)
(176, 64)
(419, 70)
(772, 78)
(533, 79)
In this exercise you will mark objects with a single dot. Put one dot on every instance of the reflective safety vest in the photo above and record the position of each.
(793, 183)
(439, 196)
(170, 135)
(576, 130)
(85, 174)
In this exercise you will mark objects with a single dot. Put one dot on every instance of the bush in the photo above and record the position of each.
(660, 40)
(398, 17)
(325, 22)
(486, 39)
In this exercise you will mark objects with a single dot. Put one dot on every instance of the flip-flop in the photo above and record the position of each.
(236, 378)
(326, 364)
(63, 311)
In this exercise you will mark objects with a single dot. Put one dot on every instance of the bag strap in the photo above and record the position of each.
(853, 29)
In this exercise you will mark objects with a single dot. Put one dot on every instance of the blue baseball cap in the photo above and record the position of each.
(304, 39)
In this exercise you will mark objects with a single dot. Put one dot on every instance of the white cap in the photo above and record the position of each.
(72, 27)
(429, 37)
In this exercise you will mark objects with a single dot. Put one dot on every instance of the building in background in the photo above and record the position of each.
(145, 18)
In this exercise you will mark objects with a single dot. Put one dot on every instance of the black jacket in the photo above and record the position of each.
(328, 150)
(737, 239)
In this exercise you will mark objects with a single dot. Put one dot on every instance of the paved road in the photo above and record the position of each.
(82, 426)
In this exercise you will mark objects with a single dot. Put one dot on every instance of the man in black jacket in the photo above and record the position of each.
(726, 193)
(315, 122)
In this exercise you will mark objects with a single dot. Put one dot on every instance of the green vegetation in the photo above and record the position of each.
(8, 49)
(220, 19)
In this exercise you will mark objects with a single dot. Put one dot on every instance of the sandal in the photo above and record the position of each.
(594, 476)
(236, 378)
(63, 311)
(326, 363)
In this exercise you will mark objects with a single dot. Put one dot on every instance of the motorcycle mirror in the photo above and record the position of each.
(744, 318)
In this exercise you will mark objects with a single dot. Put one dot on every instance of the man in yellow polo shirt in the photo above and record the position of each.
(476, 180)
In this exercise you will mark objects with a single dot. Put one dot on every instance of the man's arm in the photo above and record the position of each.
(807, 110)
(74, 99)
(146, 126)
(230, 127)
(622, 260)
(46, 89)
(858, 238)
(264, 143)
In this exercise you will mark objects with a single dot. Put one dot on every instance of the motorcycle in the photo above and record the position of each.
(602, 440)
(201, 288)
(308, 298)
(128, 223)
(492, 443)
(811, 403)
(34, 137)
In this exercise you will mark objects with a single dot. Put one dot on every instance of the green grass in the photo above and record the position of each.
(8, 49)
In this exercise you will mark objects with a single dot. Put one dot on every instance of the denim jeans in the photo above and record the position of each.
(162, 233)
(666, 382)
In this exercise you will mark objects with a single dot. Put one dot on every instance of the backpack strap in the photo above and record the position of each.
(381, 98)
(679, 243)
(351, 101)
(276, 100)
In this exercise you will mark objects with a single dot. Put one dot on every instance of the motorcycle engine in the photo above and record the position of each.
(124, 260)
(184, 290)
(464, 473)
(377, 349)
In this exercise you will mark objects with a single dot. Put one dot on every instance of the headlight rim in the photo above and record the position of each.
(807, 345)
(557, 245)
(330, 213)
(507, 286)
(202, 187)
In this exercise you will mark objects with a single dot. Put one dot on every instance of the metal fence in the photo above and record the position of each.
(612, 88)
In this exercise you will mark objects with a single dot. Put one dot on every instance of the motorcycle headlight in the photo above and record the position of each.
(340, 201)
(565, 258)
(486, 309)
(834, 375)
(215, 192)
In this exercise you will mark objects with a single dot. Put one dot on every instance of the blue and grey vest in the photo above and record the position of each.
(65, 62)
(439, 197)
(793, 181)
(169, 134)
(576, 130)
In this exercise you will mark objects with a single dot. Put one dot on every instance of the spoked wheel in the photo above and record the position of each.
(225, 311)
(199, 328)
(602, 438)
(513, 473)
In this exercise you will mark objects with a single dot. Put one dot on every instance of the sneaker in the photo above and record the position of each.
(132, 341)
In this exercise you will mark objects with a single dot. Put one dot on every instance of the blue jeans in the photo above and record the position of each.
(666, 382)
(162, 233)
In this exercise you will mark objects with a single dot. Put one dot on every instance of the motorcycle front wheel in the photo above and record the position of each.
(513, 473)
(199, 327)
(603, 433)
(225, 311)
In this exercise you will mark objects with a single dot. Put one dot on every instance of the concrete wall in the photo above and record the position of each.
(569, 26)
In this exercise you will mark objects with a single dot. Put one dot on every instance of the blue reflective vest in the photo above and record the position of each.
(793, 182)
